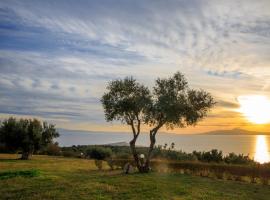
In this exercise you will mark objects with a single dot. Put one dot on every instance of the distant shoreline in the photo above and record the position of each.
(235, 131)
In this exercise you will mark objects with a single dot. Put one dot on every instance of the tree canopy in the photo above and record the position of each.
(126, 100)
(171, 103)
(26, 135)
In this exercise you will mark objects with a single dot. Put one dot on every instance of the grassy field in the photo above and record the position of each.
(69, 178)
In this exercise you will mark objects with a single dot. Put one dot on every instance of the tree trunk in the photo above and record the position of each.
(140, 166)
(151, 147)
(153, 133)
(134, 153)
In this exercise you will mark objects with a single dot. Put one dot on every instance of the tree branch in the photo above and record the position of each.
(133, 129)
(138, 125)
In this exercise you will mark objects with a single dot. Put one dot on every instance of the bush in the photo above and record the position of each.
(232, 158)
(99, 153)
(53, 150)
(170, 154)
(209, 156)
(124, 156)
(69, 154)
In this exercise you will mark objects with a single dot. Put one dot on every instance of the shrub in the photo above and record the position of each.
(53, 149)
(98, 153)
(232, 158)
(170, 154)
(209, 156)
(69, 154)
(124, 156)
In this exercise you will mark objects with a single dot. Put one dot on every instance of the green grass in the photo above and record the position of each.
(70, 178)
(16, 173)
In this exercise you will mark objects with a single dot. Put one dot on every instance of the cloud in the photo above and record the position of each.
(227, 104)
(57, 56)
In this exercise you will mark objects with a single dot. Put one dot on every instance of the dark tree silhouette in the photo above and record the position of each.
(171, 104)
(26, 135)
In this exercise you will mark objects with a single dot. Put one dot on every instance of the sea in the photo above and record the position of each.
(255, 146)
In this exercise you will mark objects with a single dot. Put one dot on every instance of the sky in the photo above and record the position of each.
(56, 57)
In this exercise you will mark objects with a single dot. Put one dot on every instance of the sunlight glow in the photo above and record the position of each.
(261, 154)
(255, 108)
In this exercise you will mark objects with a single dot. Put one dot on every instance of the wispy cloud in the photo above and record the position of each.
(57, 56)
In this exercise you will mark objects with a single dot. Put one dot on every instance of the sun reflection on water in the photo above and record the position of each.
(261, 151)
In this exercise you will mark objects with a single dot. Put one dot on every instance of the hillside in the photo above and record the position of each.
(235, 131)
(118, 144)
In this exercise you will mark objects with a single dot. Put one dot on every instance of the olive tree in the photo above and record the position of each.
(127, 101)
(171, 104)
(174, 104)
(26, 135)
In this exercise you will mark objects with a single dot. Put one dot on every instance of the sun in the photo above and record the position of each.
(255, 108)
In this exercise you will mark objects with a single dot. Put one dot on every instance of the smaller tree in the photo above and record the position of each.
(26, 135)
(175, 105)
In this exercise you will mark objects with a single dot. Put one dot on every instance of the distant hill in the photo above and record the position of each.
(236, 131)
(118, 144)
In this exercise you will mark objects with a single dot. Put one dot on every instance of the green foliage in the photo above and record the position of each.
(27, 135)
(48, 133)
(125, 100)
(169, 154)
(178, 155)
(98, 152)
(21, 173)
(175, 105)
(171, 103)
(52, 149)
(233, 158)
(163, 153)
(209, 156)
(69, 153)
